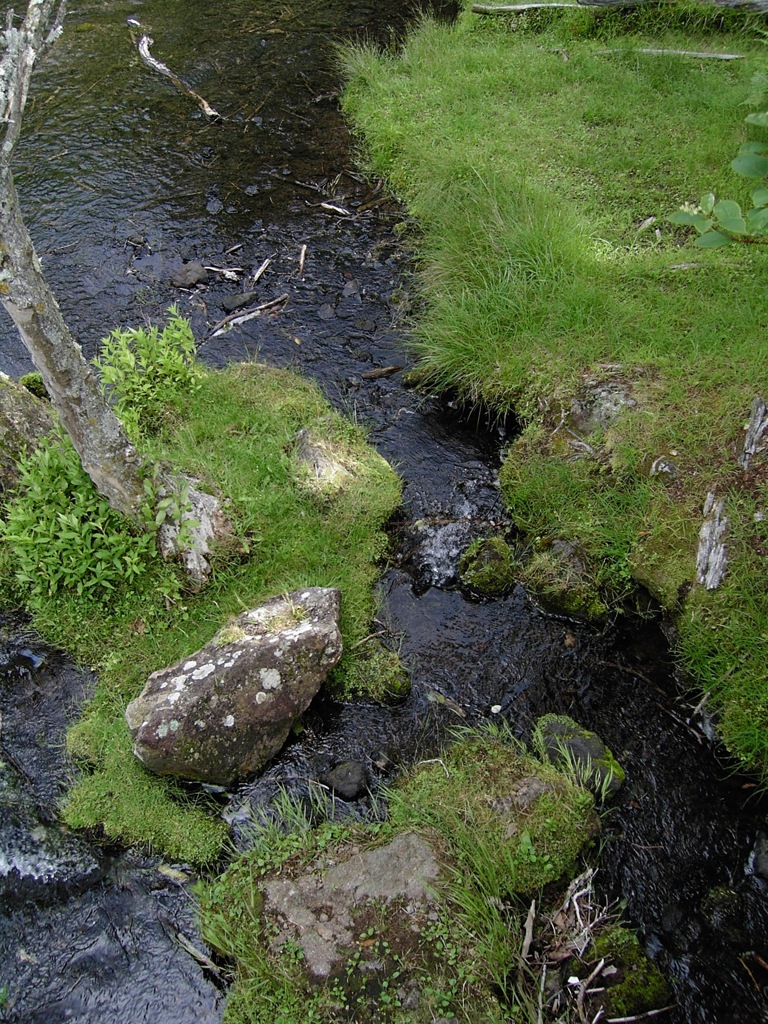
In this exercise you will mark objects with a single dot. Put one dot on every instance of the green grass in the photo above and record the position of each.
(462, 957)
(237, 434)
(531, 162)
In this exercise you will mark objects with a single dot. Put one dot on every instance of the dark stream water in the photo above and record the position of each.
(122, 179)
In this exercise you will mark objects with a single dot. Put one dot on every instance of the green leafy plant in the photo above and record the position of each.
(62, 534)
(149, 372)
(721, 222)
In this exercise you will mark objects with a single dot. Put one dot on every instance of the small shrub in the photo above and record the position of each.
(149, 373)
(62, 534)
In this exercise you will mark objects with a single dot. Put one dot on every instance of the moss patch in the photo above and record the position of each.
(639, 985)
(489, 567)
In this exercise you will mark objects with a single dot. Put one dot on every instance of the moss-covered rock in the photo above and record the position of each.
(527, 818)
(489, 567)
(565, 742)
(638, 986)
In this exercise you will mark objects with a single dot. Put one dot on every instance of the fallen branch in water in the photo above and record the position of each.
(240, 318)
(143, 45)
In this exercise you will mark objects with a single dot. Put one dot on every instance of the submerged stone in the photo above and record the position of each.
(224, 711)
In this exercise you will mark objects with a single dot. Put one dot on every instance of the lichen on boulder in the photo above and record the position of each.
(224, 711)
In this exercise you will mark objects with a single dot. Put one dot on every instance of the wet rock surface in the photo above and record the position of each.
(224, 711)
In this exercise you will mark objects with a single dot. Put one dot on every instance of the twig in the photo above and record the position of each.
(262, 268)
(249, 314)
(151, 62)
(302, 259)
(514, 8)
(528, 935)
(370, 636)
(640, 1016)
(697, 54)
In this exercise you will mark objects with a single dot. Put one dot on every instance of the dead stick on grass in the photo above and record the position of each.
(640, 1016)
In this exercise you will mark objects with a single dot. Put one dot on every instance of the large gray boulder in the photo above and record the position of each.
(24, 420)
(223, 712)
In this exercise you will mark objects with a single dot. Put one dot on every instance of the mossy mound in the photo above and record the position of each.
(566, 743)
(638, 986)
(489, 567)
(491, 799)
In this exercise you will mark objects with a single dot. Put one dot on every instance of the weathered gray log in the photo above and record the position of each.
(697, 54)
(754, 6)
(712, 558)
(756, 428)
(106, 453)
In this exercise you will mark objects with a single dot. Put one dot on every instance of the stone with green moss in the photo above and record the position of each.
(565, 742)
(639, 986)
(489, 567)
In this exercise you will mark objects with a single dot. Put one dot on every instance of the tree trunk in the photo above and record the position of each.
(107, 455)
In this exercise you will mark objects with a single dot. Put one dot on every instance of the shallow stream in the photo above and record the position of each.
(122, 179)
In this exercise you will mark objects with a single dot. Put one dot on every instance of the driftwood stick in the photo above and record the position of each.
(712, 558)
(515, 8)
(697, 54)
(240, 318)
(143, 45)
(756, 428)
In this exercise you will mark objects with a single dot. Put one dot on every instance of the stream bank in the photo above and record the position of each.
(684, 838)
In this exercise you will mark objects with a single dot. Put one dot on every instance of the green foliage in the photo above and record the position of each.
(723, 222)
(64, 537)
(149, 373)
(547, 262)
(237, 433)
(33, 382)
(639, 986)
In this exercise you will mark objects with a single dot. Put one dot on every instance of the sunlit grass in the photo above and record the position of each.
(541, 156)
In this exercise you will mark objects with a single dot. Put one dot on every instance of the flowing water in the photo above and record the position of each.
(122, 179)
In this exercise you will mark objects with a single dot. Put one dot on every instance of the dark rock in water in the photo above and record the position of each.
(226, 710)
(565, 741)
(112, 953)
(24, 420)
(189, 275)
(233, 302)
(348, 780)
(40, 862)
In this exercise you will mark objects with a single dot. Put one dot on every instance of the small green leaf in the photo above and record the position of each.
(695, 220)
(712, 240)
(757, 220)
(760, 119)
(752, 147)
(707, 203)
(734, 226)
(760, 197)
(751, 166)
(727, 209)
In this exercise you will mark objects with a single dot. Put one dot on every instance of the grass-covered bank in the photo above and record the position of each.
(235, 430)
(533, 151)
